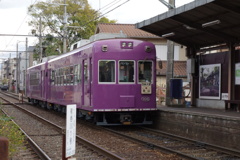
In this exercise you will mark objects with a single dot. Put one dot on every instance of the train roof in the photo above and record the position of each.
(37, 65)
(88, 46)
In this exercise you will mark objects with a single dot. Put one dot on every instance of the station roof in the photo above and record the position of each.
(200, 23)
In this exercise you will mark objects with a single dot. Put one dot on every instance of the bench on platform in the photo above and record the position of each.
(232, 102)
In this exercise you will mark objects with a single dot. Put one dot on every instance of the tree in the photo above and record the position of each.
(80, 15)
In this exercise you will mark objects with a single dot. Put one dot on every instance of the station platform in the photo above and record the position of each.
(232, 114)
(214, 126)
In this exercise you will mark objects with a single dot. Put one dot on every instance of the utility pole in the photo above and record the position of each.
(26, 65)
(26, 53)
(65, 28)
(40, 40)
(17, 77)
(170, 62)
(170, 56)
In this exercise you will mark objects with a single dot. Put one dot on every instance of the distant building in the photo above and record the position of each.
(9, 73)
(25, 61)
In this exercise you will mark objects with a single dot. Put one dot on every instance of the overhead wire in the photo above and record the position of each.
(113, 8)
(106, 12)
(108, 5)
(18, 28)
(111, 4)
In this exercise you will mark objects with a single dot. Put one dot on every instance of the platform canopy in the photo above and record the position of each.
(201, 23)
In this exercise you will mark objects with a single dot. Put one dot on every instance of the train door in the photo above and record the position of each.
(90, 80)
(42, 83)
(84, 70)
(49, 83)
(86, 84)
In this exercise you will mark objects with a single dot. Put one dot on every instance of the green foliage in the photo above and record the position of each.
(11, 131)
(79, 14)
(4, 81)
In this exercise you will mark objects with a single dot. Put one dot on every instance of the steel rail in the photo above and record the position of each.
(81, 140)
(33, 145)
(192, 141)
(155, 146)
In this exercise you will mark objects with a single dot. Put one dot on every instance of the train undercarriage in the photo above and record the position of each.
(103, 118)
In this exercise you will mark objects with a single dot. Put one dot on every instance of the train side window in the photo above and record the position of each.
(58, 77)
(145, 71)
(106, 71)
(75, 72)
(86, 76)
(70, 75)
(52, 79)
(34, 79)
(77, 77)
(126, 72)
(71, 69)
(65, 76)
(61, 80)
(79, 73)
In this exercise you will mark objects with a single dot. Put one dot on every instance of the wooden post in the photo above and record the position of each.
(4, 148)
(64, 144)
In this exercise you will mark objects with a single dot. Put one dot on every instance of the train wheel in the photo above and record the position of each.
(79, 114)
(49, 106)
(63, 109)
(43, 104)
(55, 107)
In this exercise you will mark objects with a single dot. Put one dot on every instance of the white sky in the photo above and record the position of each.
(14, 19)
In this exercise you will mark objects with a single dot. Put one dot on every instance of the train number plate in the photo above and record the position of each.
(127, 123)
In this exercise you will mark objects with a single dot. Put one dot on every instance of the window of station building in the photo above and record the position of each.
(126, 72)
(145, 71)
(106, 69)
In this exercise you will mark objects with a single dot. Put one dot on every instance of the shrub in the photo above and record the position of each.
(11, 131)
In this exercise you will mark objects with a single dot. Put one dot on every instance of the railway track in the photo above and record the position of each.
(124, 148)
(29, 150)
(49, 136)
(153, 141)
(181, 146)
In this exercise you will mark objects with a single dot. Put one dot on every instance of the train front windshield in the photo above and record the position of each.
(126, 71)
(145, 71)
(106, 71)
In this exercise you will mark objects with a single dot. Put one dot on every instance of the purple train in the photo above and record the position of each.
(112, 82)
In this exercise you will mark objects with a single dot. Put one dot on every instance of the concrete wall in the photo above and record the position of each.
(210, 103)
(211, 129)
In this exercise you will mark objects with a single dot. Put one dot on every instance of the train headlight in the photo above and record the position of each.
(126, 45)
(123, 44)
(130, 44)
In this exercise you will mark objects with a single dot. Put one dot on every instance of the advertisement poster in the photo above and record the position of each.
(210, 81)
(237, 73)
